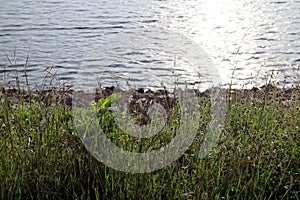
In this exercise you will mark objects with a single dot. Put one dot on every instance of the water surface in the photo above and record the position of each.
(252, 38)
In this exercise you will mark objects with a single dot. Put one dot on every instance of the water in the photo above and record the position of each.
(253, 39)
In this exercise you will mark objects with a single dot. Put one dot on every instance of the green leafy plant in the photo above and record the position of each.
(104, 115)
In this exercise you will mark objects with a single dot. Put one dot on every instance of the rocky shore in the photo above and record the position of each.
(142, 98)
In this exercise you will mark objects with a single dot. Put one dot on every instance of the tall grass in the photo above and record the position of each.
(257, 157)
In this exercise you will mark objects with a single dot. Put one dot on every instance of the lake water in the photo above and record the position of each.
(82, 38)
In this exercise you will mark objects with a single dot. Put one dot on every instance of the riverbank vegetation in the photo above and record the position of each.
(257, 157)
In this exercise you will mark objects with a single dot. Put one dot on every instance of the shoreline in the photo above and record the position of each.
(59, 95)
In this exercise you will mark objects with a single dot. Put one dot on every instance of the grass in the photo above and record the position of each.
(257, 156)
